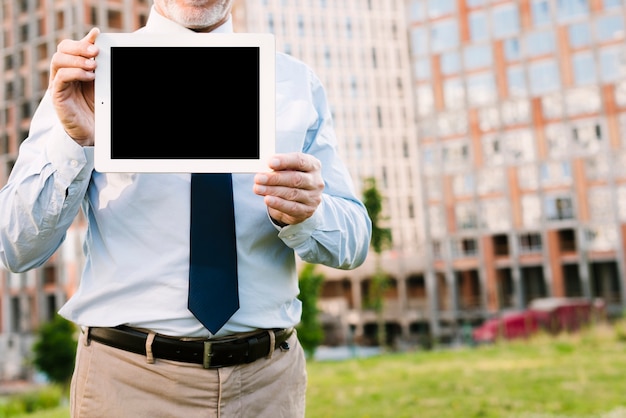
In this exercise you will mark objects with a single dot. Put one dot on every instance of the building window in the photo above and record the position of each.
(579, 35)
(601, 238)
(430, 158)
(492, 149)
(444, 35)
(466, 216)
(441, 8)
(114, 19)
(621, 202)
(478, 26)
(417, 10)
(4, 144)
(530, 243)
(450, 62)
(516, 82)
(9, 90)
(540, 12)
(514, 147)
(500, 244)
(24, 33)
(477, 56)
(481, 89)
(505, 21)
(583, 100)
(611, 66)
(16, 314)
(495, 214)
(452, 123)
(425, 100)
(436, 222)
(421, 69)
(552, 106)
(8, 62)
(477, 3)
(600, 201)
(597, 167)
(419, 41)
(515, 112)
(568, 9)
(610, 28)
(60, 18)
(433, 187)
(455, 155)
(531, 211)
(587, 136)
(544, 77)
(489, 118)
(558, 208)
(465, 247)
(555, 173)
(512, 49)
(301, 31)
(527, 176)
(620, 99)
(51, 303)
(327, 57)
(540, 44)
(437, 252)
(454, 93)
(348, 24)
(463, 184)
(49, 275)
(491, 180)
(567, 240)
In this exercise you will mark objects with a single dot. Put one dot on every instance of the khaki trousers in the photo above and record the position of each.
(112, 383)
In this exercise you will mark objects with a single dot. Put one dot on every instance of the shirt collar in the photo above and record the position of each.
(158, 23)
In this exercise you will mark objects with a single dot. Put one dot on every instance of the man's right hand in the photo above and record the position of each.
(72, 86)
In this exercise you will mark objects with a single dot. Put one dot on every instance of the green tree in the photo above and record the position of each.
(381, 239)
(54, 350)
(310, 332)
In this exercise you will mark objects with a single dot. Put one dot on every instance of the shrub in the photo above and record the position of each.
(55, 349)
(27, 402)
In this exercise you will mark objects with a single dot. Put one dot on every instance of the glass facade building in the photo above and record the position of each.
(520, 111)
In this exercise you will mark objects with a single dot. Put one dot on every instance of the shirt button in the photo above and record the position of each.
(291, 236)
(73, 163)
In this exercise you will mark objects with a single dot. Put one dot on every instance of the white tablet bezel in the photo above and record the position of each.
(267, 92)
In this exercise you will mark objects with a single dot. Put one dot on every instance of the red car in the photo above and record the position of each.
(550, 314)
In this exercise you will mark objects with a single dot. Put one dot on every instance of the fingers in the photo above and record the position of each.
(291, 171)
(293, 191)
(74, 60)
(285, 212)
(295, 161)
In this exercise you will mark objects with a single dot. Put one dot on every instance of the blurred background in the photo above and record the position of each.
(494, 132)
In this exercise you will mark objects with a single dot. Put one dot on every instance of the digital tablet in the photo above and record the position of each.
(190, 103)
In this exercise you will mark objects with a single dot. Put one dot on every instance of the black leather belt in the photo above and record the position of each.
(210, 353)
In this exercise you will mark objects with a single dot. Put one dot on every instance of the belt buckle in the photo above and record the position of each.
(206, 358)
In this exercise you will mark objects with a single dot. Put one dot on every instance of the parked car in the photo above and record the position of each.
(552, 315)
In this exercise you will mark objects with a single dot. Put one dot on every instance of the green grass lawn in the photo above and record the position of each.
(568, 376)
(575, 376)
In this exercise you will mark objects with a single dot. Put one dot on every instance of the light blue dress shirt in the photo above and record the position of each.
(137, 240)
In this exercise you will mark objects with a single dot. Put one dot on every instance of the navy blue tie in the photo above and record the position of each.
(213, 288)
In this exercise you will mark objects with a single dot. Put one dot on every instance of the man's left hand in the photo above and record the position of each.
(293, 191)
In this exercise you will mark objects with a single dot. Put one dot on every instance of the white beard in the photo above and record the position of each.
(195, 14)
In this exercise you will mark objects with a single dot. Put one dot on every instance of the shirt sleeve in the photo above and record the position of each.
(338, 234)
(44, 192)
